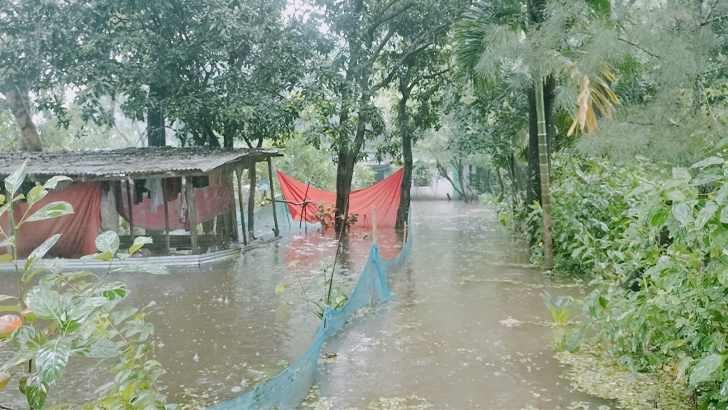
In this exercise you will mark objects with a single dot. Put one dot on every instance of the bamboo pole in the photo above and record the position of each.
(131, 212)
(543, 163)
(374, 223)
(273, 198)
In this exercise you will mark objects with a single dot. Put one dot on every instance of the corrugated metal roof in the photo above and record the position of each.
(129, 162)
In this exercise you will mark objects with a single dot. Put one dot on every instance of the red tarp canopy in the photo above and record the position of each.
(384, 195)
(78, 230)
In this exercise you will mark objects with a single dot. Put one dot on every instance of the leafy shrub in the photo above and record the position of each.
(669, 230)
(72, 316)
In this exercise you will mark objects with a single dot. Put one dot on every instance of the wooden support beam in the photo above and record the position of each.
(192, 220)
(276, 231)
(233, 233)
(239, 173)
(251, 201)
(129, 204)
(166, 216)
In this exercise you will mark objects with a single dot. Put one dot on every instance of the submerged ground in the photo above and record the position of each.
(466, 326)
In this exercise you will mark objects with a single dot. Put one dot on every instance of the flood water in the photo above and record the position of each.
(466, 326)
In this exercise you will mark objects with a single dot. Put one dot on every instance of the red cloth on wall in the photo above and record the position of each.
(210, 201)
(384, 195)
(78, 230)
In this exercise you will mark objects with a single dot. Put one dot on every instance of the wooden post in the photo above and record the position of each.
(166, 215)
(131, 212)
(234, 236)
(251, 201)
(374, 223)
(273, 198)
(239, 173)
(192, 220)
(405, 234)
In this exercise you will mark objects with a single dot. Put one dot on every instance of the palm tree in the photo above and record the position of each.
(510, 40)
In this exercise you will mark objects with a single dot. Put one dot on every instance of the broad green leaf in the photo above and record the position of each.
(108, 242)
(113, 291)
(40, 251)
(36, 194)
(51, 183)
(82, 308)
(659, 218)
(708, 162)
(683, 212)
(36, 391)
(6, 258)
(96, 348)
(675, 195)
(52, 359)
(28, 337)
(106, 256)
(119, 316)
(704, 370)
(51, 210)
(44, 303)
(722, 194)
(705, 214)
(138, 243)
(681, 173)
(13, 182)
(22, 356)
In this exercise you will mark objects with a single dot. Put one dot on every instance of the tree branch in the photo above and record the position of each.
(713, 20)
(638, 47)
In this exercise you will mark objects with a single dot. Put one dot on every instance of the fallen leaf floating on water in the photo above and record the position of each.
(9, 323)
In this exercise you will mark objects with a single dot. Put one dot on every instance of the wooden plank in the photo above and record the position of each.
(232, 211)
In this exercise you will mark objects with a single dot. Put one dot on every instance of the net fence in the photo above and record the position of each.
(289, 388)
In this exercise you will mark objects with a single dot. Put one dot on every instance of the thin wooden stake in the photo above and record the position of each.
(405, 234)
(276, 231)
(374, 223)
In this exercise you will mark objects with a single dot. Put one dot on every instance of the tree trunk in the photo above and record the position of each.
(500, 184)
(543, 155)
(155, 118)
(18, 102)
(348, 153)
(463, 191)
(549, 96)
(403, 123)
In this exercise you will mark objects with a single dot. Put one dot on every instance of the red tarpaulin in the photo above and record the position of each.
(78, 230)
(384, 195)
(210, 202)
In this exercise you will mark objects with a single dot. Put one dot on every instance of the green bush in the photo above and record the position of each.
(667, 229)
(72, 316)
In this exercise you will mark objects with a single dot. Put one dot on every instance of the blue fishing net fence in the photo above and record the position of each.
(289, 388)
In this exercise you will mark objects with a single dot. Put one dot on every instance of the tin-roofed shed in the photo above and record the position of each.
(184, 198)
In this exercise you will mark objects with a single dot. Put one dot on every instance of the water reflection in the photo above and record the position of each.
(463, 329)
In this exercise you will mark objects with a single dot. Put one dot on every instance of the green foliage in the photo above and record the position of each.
(668, 229)
(560, 308)
(73, 315)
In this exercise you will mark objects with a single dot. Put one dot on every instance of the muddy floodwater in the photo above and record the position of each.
(466, 326)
